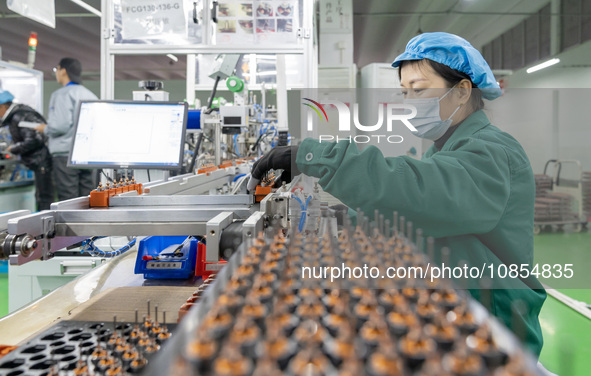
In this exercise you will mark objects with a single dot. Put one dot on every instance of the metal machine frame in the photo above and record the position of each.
(173, 207)
(109, 50)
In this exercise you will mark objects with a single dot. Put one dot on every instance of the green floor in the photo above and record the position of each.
(567, 334)
(3, 294)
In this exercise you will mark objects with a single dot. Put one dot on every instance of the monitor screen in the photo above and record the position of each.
(128, 134)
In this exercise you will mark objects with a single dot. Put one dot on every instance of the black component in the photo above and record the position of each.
(283, 138)
(151, 85)
(65, 343)
(195, 153)
(213, 92)
(230, 240)
(232, 120)
(214, 13)
(230, 130)
(340, 211)
(195, 20)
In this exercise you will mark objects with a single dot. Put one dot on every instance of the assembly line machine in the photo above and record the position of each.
(68, 332)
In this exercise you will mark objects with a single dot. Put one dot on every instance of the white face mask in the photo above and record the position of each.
(428, 122)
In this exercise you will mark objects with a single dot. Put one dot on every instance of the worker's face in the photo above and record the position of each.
(59, 74)
(3, 109)
(419, 81)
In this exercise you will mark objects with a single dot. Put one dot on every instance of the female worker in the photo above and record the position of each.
(473, 190)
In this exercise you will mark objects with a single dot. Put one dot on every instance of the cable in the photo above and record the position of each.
(148, 172)
(243, 178)
(106, 176)
(238, 177)
(196, 152)
(304, 213)
(236, 145)
(213, 91)
(89, 246)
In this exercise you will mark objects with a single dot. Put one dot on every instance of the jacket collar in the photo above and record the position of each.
(8, 111)
(472, 124)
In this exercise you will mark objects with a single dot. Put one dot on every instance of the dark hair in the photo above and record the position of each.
(452, 77)
(73, 68)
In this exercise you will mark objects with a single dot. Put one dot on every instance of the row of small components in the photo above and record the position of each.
(120, 184)
(262, 324)
(194, 298)
(124, 350)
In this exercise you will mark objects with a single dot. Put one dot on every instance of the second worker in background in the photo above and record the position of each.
(63, 104)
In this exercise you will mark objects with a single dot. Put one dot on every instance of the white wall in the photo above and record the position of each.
(549, 111)
(549, 123)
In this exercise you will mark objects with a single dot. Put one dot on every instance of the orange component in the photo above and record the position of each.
(261, 192)
(4, 349)
(100, 199)
(184, 310)
(206, 169)
(226, 164)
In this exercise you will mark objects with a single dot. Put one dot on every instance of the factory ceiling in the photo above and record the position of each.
(381, 30)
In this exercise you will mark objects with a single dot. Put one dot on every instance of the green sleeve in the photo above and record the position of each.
(462, 191)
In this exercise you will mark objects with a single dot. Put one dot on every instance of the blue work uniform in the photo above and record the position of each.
(475, 195)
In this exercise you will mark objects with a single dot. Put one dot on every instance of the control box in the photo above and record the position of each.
(166, 257)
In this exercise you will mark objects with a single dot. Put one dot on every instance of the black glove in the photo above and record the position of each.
(280, 157)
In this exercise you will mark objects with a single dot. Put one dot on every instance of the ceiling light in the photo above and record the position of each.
(543, 65)
(87, 7)
(172, 57)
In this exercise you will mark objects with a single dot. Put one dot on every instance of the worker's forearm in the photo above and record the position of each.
(442, 195)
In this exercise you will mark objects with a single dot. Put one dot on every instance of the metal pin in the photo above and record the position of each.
(376, 216)
(445, 253)
(148, 308)
(359, 217)
(395, 224)
(156, 313)
(402, 225)
(409, 231)
(114, 324)
(419, 235)
(136, 315)
(382, 224)
(387, 228)
(431, 248)
(164, 318)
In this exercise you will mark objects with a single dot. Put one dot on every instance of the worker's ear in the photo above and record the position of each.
(463, 91)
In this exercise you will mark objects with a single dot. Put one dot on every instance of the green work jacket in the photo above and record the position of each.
(475, 196)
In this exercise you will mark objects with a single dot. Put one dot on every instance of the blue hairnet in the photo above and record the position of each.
(5, 96)
(455, 52)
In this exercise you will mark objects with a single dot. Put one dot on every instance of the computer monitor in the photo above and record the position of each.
(128, 134)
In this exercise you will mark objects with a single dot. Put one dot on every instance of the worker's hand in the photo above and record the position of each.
(40, 128)
(279, 157)
(9, 149)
